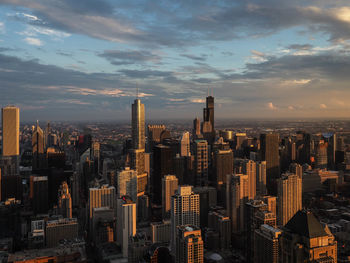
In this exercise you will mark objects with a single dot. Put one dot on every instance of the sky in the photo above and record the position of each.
(85, 59)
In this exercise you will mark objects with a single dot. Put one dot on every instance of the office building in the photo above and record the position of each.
(64, 201)
(289, 197)
(189, 244)
(154, 135)
(208, 116)
(104, 196)
(138, 247)
(103, 225)
(185, 144)
(196, 133)
(267, 244)
(57, 230)
(38, 148)
(161, 231)
(321, 155)
(304, 239)
(127, 183)
(10, 131)
(126, 218)
(185, 210)
(137, 161)
(237, 196)
(39, 191)
(169, 187)
(201, 162)
(207, 199)
(269, 149)
(162, 165)
(221, 224)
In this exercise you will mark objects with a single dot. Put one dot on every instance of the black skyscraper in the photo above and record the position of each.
(208, 117)
(269, 147)
(162, 165)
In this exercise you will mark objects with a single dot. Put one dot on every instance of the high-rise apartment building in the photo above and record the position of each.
(185, 144)
(169, 187)
(189, 245)
(249, 168)
(267, 244)
(201, 162)
(10, 131)
(184, 210)
(64, 201)
(126, 226)
(127, 183)
(289, 197)
(261, 178)
(269, 149)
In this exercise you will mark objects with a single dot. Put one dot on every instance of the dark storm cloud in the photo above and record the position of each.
(120, 57)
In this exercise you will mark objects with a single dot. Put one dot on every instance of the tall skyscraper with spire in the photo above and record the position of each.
(208, 127)
(138, 125)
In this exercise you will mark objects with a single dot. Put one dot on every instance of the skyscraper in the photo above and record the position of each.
(185, 144)
(10, 131)
(269, 147)
(64, 201)
(39, 189)
(289, 197)
(189, 245)
(38, 147)
(267, 244)
(196, 128)
(127, 184)
(138, 125)
(304, 239)
(162, 165)
(103, 196)
(249, 168)
(169, 187)
(237, 196)
(261, 178)
(201, 162)
(126, 226)
(208, 113)
(184, 211)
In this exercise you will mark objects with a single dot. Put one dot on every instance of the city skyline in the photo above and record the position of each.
(83, 61)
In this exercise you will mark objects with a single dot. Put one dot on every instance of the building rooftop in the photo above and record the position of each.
(305, 224)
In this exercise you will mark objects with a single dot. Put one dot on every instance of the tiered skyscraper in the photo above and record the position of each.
(208, 120)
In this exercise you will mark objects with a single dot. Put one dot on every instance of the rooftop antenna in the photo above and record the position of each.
(137, 93)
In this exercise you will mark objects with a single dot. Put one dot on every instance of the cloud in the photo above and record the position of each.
(33, 41)
(2, 28)
(291, 108)
(125, 57)
(194, 57)
(300, 46)
(271, 106)
(323, 106)
(197, 100)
